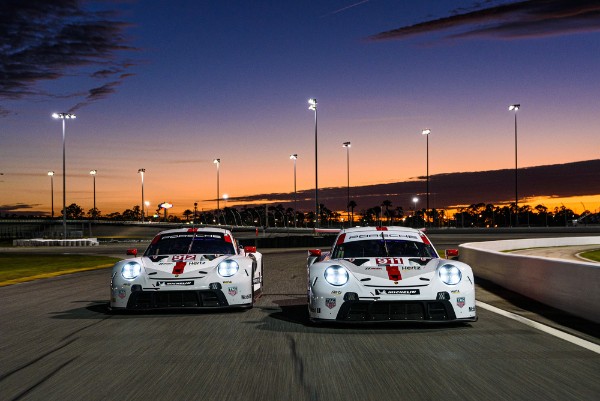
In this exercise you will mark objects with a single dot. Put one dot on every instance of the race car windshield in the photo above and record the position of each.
(375, 248)
(205, 244)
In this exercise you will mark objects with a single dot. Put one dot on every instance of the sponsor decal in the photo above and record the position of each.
(460, 302)
(393, 273)
(399, 291)
(195, 263)
(247, 296)
(385, 235)
(181, 258)
(227, 282)
(122, 294)
(471, 309)
(232, 291)
(336, 293)
(373, 268)
(412, 267)
(165, 263)
(179, 282)
(455, 291)
(330, 303)
(388, 261)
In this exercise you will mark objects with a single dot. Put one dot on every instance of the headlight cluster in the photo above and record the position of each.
(449, 274)
(228, 268)
(131, 270)
(336, 275)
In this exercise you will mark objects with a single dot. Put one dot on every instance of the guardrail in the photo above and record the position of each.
(570, 286)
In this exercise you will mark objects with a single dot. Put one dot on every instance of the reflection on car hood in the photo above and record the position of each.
(392, 271)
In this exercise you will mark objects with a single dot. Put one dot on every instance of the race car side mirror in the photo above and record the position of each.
(451, 253)
(250, 249)
(132, 252)
(314, 252)
(313, 256)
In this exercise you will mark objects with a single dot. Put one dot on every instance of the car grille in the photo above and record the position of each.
(176, 299)
(379, 311)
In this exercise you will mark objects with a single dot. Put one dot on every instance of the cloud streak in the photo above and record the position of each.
(45, 40)
(525, 19)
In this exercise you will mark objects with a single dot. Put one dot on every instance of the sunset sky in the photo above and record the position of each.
(171, 85)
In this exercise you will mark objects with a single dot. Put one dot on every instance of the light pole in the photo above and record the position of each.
(51, 174)
(312, 105)
(415, 200)
(515, 107)
(93, 174)
(294, 157)
(147, 203)
(63, 117)
(225, 197)
(141, 171)
(165, 206)
(218, 163)
(347, 146)
(426, 132)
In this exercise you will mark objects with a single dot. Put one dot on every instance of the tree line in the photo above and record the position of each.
(474, 215)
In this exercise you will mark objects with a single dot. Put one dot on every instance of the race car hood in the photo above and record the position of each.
(392, 270)
(181, 264)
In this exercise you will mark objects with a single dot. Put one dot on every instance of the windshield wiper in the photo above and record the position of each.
(191, 243)
(387, 252)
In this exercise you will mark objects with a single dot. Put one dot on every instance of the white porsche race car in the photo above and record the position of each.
(382, 274)
(188, 268)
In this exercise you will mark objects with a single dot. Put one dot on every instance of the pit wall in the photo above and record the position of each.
(571, 286)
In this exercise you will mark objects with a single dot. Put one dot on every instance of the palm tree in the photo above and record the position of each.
(187, 213)
(387, 204)
(352, 205)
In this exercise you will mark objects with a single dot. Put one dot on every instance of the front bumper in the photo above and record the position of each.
(398, 311)
(143, 300)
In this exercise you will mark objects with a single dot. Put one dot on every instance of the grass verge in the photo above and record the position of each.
(20, 268)
(591, 255)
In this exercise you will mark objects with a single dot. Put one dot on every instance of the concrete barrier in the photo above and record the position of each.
(56, 242)
(571, 286)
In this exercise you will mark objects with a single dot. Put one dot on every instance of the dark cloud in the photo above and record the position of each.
(42, 40)
(18, 206)
(447, 190)
(526, 19)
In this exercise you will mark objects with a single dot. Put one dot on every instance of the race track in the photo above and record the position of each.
(59, 343)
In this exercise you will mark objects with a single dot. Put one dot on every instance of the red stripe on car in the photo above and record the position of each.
(381, 228)
(227, 238)
(340, 239)
(178, 268)
(425, 240)
(393, 273)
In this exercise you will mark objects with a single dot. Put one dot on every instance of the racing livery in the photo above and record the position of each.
(378, 274)
(188, 268)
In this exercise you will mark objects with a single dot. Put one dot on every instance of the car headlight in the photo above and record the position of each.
(228, 268)
(131, 270)
(450, 274)
(336, 275)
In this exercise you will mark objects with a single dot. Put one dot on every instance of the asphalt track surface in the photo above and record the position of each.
(58, 342)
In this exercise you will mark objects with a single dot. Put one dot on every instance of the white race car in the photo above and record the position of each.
(188, 268)
(382, 274)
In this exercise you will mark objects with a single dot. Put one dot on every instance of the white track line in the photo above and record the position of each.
(547, 329)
